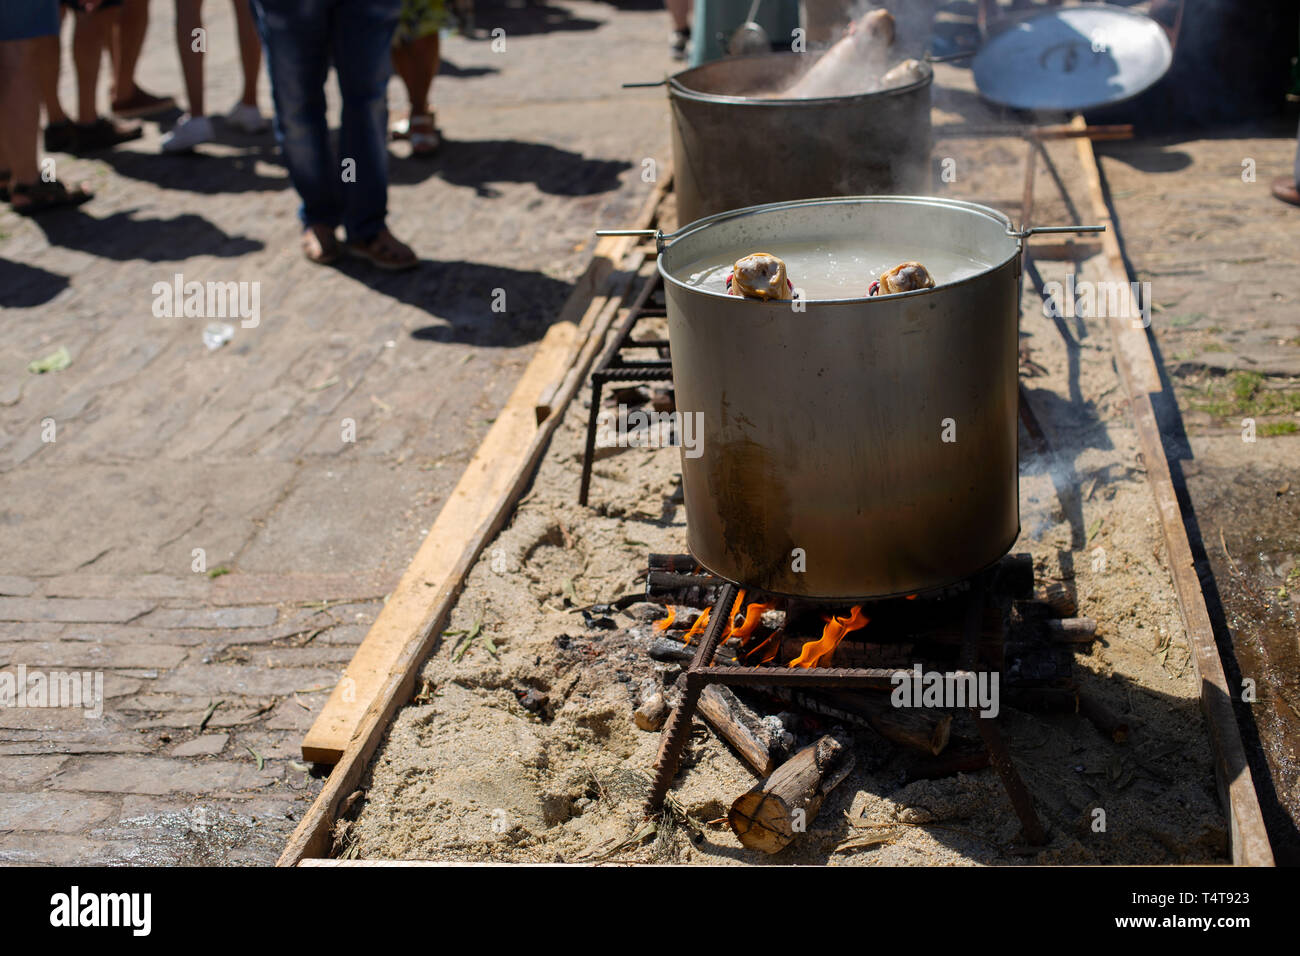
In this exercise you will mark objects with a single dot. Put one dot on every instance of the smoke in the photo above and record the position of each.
(855, 62)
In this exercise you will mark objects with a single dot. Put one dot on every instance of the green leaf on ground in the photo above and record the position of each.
(56, 361)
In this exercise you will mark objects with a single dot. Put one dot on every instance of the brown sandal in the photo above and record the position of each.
(1286, 189)
(385, 251)
(320, 245)
(42, 197)
(424, 136)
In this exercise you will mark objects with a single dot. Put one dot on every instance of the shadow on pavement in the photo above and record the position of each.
(526, 20)
(121, 237)
(478, 304)
(23, 286)
(476, 163)
(201, 173)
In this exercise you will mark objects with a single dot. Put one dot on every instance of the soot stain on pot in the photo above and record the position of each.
(754, 510)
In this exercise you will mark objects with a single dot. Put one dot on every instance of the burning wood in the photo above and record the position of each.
(762, 742)
(775, 811)
(927, 731)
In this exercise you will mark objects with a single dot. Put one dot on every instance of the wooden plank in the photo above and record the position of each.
(1137, 370)
(313, 836)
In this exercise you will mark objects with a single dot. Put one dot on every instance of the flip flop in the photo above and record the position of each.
(43, 197)
(1284, 188)
(5, 176)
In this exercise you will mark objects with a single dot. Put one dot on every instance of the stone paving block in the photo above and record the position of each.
(86, 655)
(206, 746)
(219, 680)
(67, 610)
(217, 618)
(26, 772)
(161, 775)
(60, 812)
(13, 586)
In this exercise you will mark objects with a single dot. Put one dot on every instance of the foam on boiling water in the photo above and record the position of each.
(836, 269)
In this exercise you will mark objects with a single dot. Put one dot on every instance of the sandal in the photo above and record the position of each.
(385, 251)
(5, 177)
(1286, 189)
(400, 128)
(320, 245)
(424, 136)
(42, 197)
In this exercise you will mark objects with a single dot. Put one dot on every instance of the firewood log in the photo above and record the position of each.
(1072, 630)
(761, 746)
(1102, 717)
(652, 713)
(772, 815)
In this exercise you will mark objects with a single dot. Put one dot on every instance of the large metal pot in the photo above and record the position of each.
(732, 149)
(870, 442)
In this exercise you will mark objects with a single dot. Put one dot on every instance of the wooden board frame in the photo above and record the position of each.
(1135, 363)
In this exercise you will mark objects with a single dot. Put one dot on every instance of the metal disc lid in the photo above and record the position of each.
(1073, 59)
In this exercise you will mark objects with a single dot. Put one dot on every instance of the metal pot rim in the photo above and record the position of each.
(708, 221)
(677, 88)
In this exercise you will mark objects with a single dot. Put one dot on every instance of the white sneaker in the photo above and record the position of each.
(248, 118)
(188, 133)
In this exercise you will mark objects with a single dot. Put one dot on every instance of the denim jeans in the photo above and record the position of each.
(303, 38)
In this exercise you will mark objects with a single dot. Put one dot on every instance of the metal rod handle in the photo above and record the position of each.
(628, 232)
(1047, 230)
(633, 86)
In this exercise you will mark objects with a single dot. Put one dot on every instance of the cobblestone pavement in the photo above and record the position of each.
(149, 446)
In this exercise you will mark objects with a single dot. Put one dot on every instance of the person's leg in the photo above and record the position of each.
(250, 50)
(20, 109)
(189, 18)
(89, 38)
(49, 54)
(296, 37)
(129, 99)
(125, 46)
(361, 41)
(418, 66)
(20, 118)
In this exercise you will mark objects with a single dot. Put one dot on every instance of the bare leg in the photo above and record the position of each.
(49, 54)
(250, 50)
(127, 42)
(416, 62)
(188, 19)
(680, 12)
(89, 38)
(20, 109)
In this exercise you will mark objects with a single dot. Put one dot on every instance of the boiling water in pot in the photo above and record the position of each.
(833, 269)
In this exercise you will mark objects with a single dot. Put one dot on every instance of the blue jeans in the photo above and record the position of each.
(302, 39)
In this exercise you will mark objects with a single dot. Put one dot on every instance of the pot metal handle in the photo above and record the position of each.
(1048, 230)
(633, 86)
(661, 238)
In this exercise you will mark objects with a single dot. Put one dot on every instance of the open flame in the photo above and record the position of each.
(667, 621)
(817, 653)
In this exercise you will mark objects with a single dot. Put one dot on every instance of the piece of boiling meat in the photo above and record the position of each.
(852, 64)
(904, 74)
(907, 277)
(759, 276)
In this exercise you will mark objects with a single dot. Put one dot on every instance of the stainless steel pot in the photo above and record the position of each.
(732, 149)
(861, 447)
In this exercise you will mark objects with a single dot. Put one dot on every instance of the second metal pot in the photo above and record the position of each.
(732, 149)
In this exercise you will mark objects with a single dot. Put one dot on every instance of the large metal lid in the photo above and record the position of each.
(1072, 59)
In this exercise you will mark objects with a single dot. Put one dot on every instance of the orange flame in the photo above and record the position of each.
(666, 622)
(753, 617)
(698, 627)
(816, 653)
